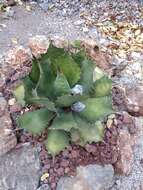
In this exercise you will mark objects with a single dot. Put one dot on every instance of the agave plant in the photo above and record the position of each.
(72, 95)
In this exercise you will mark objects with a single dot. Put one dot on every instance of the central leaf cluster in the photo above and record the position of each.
(69, 102)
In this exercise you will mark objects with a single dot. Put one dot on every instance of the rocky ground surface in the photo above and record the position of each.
(117, 29)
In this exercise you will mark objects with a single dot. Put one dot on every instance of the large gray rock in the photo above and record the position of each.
(19, 170)
(92, 177)
(8, 139)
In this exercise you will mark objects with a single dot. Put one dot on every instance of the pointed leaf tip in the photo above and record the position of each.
(57, 141)
(35, 122)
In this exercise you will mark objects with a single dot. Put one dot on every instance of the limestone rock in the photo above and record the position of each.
(38, 45)
(134, 101)
(101, 59)
(20, 169)
(18, 55)
(3, 105)
(60, 42)
(125, 160)
(91, 177)
(7, 138)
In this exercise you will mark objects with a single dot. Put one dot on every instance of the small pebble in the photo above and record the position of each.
(11, 102)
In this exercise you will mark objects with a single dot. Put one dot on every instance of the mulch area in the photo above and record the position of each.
(66, 162)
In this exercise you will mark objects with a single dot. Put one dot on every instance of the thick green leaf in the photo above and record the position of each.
(35, 122)
(93, 133)
(63, 62)
(35, 71)
(57, 141)
(97, 74)
(53, 52)
(61, 85)
(19, 93)
(64, 121)
(101, 87)
(69, 67)
(86, 80)
(90, 132)
(29, 87)
(96, 108)
(79, 57)
(68, 100)
(76, 137)
(45, 86)
(43, 102)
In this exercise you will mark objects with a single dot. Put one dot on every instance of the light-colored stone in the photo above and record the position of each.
(18, 55)
(102, 60)
(60, 42)
(11, 101)
(125, 159)
(134, 100)
(3, 105)
(92, 177)
(38, 45)
(19, 170)
(7, 138)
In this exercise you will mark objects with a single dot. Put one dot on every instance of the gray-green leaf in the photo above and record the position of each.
(96, 108)
(43, 102)
(64, 121)
(35, 122)
(86, 80)
(68, 100)
(19, 93)
(57, 141)
(90, 132)
(102, 87)
(61, 85)
(35, 71)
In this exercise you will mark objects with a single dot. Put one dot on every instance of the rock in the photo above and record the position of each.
(11, 101)
(20, 169)
(7, 138)
(3, 105)
(91, 177)
(38, 45)
(44, 187)
(101, 59)
(18, 55)
(133, 70)
(11, 2)
(60, 42)
(125, 159)
(133, 99)
(9, 12)
(85, 29)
